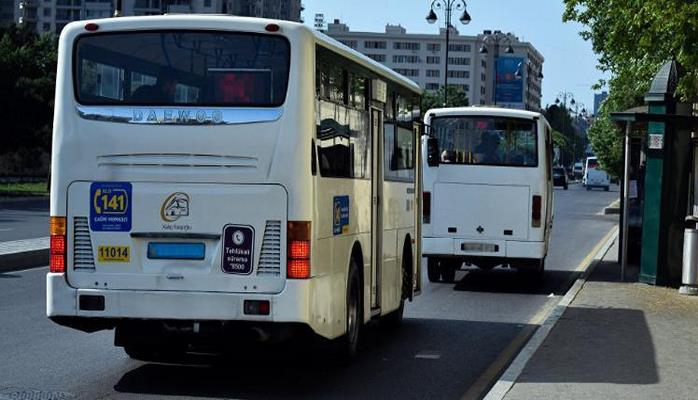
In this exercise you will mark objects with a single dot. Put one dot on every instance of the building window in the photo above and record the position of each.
(47, 12)
(432, 86)
(407, 72)
(459, 74)
(433, 73)
(47, 27)
(483, 77)
(406, 59)
(482, 91)
(349, 43)
(207, 3)
(374, 44)
(433, 46)
(459, 61)
(433, 60)
(406, 46)
(465, 88)
(483, 63)
(376, 57)
(459, 47)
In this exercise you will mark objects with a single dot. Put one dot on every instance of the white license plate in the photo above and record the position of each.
(480, 247)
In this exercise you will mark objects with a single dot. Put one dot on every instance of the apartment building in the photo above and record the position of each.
(421, 57)
(53, 15)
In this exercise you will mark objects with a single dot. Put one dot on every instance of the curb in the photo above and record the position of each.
(508, 379)
(23, 254)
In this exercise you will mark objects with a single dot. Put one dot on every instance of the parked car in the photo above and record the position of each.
(560, 177)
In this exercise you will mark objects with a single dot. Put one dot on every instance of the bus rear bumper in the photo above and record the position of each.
(96, 309)
(503, 249)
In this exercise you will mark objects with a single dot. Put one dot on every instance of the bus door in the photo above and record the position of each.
(376, 205)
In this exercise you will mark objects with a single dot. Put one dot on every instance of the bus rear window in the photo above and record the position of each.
(186, 68)
(496, 141)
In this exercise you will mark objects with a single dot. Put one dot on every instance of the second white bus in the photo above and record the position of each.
(488, 192)
(218, 180)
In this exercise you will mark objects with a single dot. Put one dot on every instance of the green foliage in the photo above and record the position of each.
(27, 84)
(607, 143)
(565, 135)
(456, 98)
(633, 39)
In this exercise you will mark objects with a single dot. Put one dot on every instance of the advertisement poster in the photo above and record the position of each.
(509, 87)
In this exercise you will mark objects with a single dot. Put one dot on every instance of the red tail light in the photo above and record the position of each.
(298, 240)
(536, 211)
(426, 207)
(57, 249)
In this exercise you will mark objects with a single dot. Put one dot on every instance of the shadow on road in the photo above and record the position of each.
(596, 345)
(506, 280)
(5, 275)
(423, 359)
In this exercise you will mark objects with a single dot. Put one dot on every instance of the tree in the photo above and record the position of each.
(27, 84)
(633, 39)
(569, 141)
(456, 98)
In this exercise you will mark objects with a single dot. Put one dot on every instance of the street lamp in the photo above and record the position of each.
(448, 6)
(494, 39)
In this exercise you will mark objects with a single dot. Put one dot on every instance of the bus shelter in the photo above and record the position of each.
(659, 179)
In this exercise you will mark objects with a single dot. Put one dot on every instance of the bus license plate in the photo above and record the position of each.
(479, 247)
(107, 254)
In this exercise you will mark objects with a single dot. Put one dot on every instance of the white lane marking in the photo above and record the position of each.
(428, 355)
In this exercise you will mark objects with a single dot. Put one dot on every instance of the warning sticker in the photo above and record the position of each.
(110, 206)
(238, 249)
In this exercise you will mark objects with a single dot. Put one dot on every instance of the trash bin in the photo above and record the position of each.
(689, 276)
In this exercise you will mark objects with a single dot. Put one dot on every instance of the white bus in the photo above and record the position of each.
(488, 193)
(216, 176)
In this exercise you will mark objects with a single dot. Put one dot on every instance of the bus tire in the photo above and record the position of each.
(393, 320)
(348, 344)
(433, 269)
(448, 271)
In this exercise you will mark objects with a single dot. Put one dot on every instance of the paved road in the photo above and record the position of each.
(23, 218)
(455, 340)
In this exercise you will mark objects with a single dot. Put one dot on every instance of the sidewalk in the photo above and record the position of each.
(617, 341)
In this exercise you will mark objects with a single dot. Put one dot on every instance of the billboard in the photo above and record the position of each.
(508, 90)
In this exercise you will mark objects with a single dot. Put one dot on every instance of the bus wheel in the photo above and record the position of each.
(433, 269)
(448, 271)
(349, 343)
(393, 320)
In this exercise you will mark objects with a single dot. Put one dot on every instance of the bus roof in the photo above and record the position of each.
(479, 110)
(248, 24)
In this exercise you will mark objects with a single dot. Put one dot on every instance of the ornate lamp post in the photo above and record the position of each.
(494, 39)
(448, 6)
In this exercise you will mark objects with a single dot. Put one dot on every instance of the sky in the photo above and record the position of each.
(570, 63)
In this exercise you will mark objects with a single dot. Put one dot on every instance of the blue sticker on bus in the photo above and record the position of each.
(340, 215)
(110, 206)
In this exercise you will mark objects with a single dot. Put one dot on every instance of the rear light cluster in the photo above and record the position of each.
(426, 207)
(256, 307)
(536, 211)
(57, 249)
(298, 238)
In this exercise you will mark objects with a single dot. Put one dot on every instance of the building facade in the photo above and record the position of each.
(421, 57)
(53, 15)
(598, 99)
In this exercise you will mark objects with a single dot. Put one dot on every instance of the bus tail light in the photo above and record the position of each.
(426, 207)
(298, 240)
(536, 211)
(57, 249)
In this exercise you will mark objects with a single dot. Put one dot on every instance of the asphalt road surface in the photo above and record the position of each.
(23, 218)
(455, 341)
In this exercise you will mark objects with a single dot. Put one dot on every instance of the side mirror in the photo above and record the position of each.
(432, 152)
